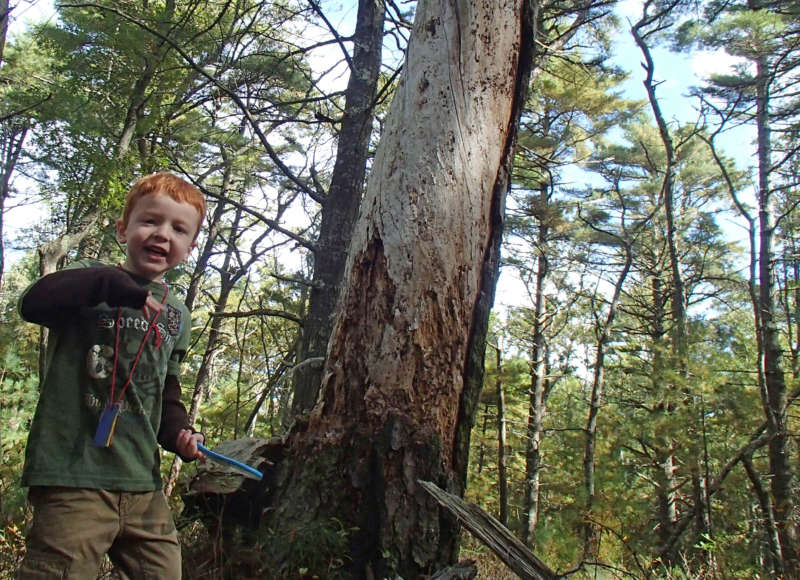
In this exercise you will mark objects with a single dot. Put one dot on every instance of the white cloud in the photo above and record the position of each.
(705, 63)
(629, 9)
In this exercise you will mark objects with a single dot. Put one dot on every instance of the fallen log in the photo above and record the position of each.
(495, 535)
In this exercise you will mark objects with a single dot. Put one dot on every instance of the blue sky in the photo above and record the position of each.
(677, 71)
(677, 74)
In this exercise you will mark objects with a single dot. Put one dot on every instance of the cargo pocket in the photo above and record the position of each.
(43, 565)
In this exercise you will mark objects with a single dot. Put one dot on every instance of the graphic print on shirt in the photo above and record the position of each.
(101, 358)
(100, 361)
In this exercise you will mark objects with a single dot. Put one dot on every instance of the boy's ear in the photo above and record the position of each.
(121, 232)
(191, 247)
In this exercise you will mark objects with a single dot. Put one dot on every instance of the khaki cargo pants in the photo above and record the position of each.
(73, 529)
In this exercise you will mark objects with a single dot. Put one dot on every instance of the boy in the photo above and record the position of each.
(110, 394)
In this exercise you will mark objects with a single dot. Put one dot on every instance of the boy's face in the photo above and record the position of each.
(159, 233)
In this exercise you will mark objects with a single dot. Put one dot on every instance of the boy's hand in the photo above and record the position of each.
(152, 306)
(186, 444)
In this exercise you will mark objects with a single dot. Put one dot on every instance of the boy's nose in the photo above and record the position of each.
(161, 232)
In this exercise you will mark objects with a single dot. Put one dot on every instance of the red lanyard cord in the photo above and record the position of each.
(150, 328)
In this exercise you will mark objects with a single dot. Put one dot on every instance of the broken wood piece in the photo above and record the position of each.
(495, 535)
(219, 478)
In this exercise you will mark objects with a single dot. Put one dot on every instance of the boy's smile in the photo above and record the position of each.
(160, 233)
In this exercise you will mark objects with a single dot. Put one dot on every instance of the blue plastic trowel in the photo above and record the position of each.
(213, 455)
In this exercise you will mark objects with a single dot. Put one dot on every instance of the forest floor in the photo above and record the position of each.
(489, 566)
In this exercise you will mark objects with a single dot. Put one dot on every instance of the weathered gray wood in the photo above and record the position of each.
(494, 534)
(221, 479)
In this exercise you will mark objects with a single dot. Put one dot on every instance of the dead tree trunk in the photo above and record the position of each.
(398, 385)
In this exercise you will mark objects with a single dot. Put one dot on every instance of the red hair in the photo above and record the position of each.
(165, 183)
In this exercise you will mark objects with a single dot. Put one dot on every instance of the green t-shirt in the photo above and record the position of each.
(77, 387)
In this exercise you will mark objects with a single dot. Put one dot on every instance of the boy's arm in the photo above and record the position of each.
(174, 420)
(49, 300)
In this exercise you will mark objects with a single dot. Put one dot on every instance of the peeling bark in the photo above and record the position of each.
(394, 388)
